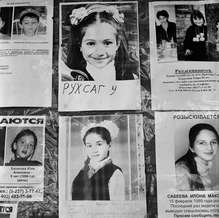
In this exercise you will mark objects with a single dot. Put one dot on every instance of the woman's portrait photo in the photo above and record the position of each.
(192, 33)
(99, 42)
(165, 24)
(197, 161)
(101, 160)
(5, 23)
(30, 23)
(24, 146)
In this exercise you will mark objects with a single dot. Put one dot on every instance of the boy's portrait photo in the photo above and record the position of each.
(99, 42)
(24, 146)
(30, 23)
(5, 23)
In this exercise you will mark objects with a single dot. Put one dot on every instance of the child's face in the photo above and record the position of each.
(24, 146)
(29, 26)
(96, 147)
(205, 145)
(198, 21)
(99, 44)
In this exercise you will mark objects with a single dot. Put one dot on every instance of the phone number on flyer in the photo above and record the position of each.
(15, 196)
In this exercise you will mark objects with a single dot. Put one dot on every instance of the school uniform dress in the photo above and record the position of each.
(23, 162)
(189, 180)
(95, 187)
(196, 42)
(168, 35)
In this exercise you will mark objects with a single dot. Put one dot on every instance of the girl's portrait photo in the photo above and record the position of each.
(30, 23)
(100, 159)
(5, 23)
(196, 164)
(23, 146)
(192, 33)
(99, 42)
(165, 24)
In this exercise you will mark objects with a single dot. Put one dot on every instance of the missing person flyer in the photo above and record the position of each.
(101, 167)
(8, 210)
(22, 142)
(26, 31)
(99, 56)
(184, 55)
(187, 158)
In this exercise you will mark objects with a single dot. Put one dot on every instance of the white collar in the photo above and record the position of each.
(106, 74)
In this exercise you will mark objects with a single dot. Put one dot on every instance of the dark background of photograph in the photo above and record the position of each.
(183, 14)
(212, 15)
(43, 19)
(130, 22)
(6, 14)
(2, 145)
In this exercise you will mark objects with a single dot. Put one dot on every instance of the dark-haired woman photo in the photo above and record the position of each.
(100, 178)
(192, 169)
(195, 43)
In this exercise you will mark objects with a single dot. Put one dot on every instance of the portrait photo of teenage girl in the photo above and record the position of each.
(196, 169)
(25, 147)
(99, 42)
(192, 33)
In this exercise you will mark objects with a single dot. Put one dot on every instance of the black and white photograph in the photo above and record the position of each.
(99, 41)
(98, 56)
(24, 146)
(5, 22)
(192, 33)
(103, 160)
(184, 55)
(166, 32)
(197, 160)
(189, 172)
(30, 23)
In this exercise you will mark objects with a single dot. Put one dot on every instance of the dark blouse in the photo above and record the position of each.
(94, 188)
(162, 34)
(192, 42)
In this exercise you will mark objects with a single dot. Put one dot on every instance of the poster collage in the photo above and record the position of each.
(77, 140)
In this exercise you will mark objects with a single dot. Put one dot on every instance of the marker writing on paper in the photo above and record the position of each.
(80, 88)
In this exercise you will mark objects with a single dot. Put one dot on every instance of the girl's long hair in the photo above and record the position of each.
(75, 58)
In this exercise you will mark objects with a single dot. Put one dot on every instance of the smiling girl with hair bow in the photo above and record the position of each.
(98, 48)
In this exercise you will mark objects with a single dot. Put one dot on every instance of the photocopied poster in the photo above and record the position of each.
(8, 210)
(187, 159)
(26, 33)
(184, 55)
(22, 142)
(101, 167)
(99, 56)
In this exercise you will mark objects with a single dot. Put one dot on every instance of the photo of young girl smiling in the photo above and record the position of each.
(97, 47)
